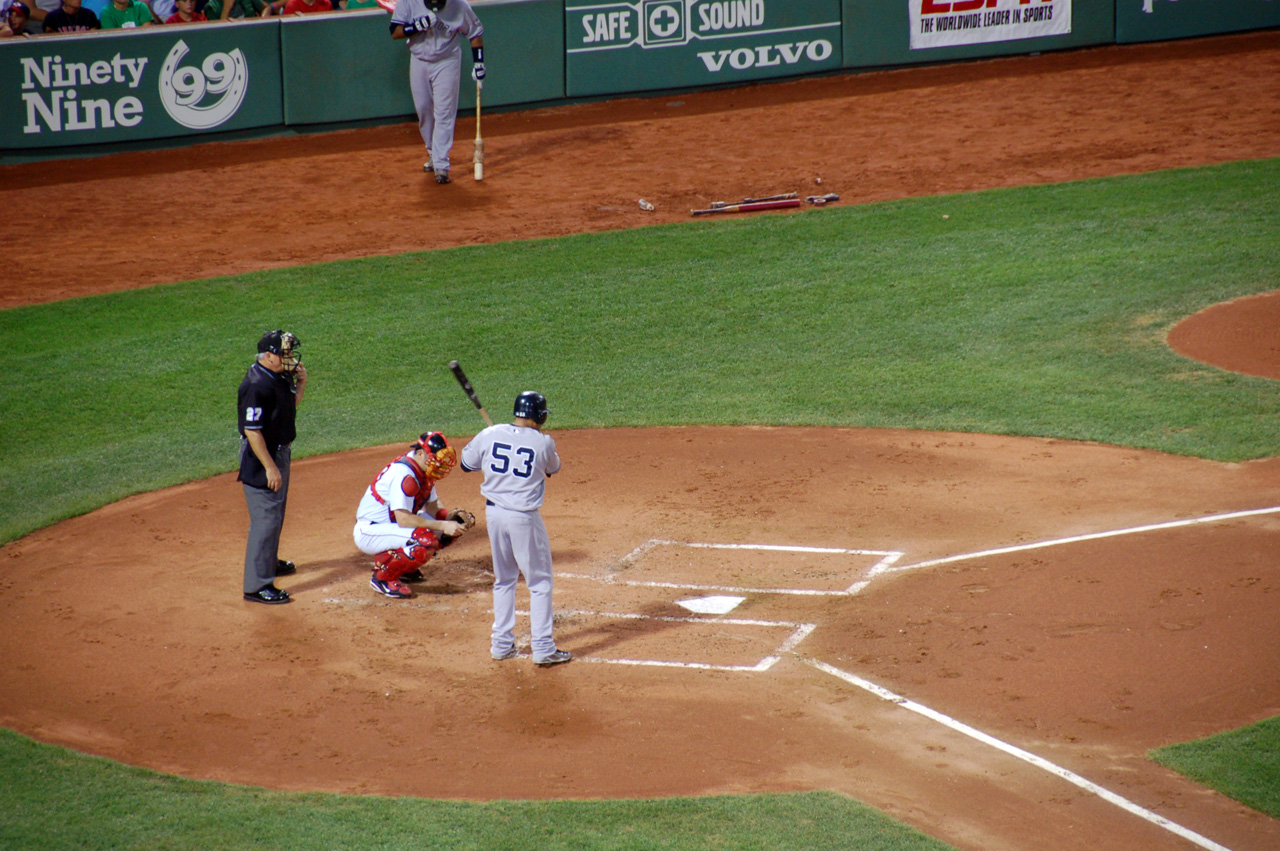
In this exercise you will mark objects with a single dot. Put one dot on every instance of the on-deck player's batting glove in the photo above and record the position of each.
(477, 57)
(419, 25)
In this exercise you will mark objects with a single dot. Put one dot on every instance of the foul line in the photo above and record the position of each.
(1019, 753)
(1155, 527)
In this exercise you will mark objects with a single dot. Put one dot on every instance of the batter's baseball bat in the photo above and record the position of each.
(477, 156)
(468, 389)
(746, 208)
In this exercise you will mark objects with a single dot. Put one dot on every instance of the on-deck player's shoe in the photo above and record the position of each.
(557, 658)
(414, 575)
(510, 654)
(442, 177)
(285, 568)
(271, 595)
(392, 588)
(428, 167)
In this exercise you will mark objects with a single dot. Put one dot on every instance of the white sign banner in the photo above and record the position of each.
(946, 23)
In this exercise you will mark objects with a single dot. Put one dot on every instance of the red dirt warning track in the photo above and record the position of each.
(1086, 653)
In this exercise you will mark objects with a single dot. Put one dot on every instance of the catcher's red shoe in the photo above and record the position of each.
(391, 588)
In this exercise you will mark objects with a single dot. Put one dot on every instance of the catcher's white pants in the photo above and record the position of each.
(520, 546)
(374, 538)
(435, 97)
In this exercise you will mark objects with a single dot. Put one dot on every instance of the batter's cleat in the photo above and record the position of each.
(391, 588)
(442, 177)
(501, 657)
(271, 595)
(414, 575)
(557, 658)
(285, 568)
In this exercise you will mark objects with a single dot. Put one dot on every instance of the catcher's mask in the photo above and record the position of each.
(285, 345)
(435, 5)
(441, 456)
(531, 405)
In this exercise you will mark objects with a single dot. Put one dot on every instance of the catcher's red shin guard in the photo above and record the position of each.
(396, 563)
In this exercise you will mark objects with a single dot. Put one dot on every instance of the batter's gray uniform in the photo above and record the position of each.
(516, 462)
(435, 67)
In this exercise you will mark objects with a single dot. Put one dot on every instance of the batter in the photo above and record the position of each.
(400, 520)
(517, 459)
(435, 29)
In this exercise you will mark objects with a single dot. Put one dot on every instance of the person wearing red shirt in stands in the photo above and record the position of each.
(186, 14)
(298, 7)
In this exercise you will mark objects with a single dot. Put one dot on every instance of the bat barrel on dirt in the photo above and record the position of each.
(468, 389)
(750, 206)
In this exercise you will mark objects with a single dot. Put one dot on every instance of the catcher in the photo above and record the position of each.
(400, 520)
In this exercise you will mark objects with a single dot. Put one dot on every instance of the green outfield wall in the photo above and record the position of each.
(1158, 20)
(164, 86)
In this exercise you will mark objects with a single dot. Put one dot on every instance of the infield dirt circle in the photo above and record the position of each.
(967, 573)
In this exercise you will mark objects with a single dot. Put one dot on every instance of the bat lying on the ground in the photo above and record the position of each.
(748, 206)
(717, 204)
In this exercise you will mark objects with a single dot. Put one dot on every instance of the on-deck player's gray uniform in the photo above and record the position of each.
(435, 68)
(516, 462)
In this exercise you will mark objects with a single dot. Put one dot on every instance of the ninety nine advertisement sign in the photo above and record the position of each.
(615, 47)
(100, 88)
(946, 23)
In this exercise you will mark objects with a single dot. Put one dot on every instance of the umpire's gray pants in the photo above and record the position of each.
(266, 519)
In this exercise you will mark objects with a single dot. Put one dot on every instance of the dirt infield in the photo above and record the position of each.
(965, 572)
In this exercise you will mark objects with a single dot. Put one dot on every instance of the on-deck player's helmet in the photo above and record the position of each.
(441, 456)
(532, 405)
(435, 5)
(285, 345)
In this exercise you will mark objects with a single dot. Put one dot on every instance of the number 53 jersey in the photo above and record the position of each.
(516, 462)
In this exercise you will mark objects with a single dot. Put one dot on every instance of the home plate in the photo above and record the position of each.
(711, 605)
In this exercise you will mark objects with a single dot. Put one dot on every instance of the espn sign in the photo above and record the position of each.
(946, 23)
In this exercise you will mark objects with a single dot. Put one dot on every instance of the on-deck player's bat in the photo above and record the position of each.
(468, 389)
(477, 156)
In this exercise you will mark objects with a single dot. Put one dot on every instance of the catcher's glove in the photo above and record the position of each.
(461, 515)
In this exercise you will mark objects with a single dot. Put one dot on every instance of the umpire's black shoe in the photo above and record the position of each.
(285, 568)
(271, 595)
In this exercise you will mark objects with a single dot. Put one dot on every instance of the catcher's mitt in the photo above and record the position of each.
(461, 515)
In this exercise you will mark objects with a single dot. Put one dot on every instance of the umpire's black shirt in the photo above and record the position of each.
(266, 404)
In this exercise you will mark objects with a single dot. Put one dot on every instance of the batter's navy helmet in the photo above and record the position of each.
(532, 405)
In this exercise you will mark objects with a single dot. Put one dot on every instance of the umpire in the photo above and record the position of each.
(267, 402)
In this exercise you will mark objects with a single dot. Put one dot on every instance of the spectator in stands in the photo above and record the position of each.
(161, 10)
(186, 14)
(298, 7)
(15, 20)
(70, 18)
(352, 5)
(39, 9)
(126, 14)
(225, 10)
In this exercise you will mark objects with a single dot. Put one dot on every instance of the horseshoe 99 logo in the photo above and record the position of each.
(203, 97)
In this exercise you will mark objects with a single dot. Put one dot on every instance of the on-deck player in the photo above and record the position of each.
(516, 459)
(435, 29)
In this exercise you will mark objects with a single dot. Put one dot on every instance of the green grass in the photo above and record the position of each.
(1242, 764)
(58, 799)
(1036, 311)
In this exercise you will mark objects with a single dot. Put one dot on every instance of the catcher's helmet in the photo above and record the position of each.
(442, 456)
(532, 405)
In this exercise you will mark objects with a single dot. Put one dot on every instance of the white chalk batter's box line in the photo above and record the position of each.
(888, 562)
(799, 632)
(887, 558)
